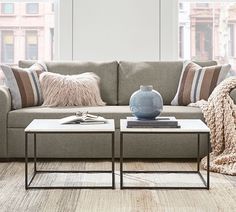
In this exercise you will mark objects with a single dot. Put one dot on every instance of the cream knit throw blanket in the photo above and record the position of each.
(220, 115)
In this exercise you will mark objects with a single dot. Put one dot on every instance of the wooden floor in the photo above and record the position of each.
(14, 197)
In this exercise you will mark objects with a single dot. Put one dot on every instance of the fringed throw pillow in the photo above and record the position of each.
(71, 90)
(23, 84)
(198, 82)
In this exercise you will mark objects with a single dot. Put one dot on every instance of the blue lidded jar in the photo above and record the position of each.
(146, 103)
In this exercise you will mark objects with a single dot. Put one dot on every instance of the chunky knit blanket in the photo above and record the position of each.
(220, 115)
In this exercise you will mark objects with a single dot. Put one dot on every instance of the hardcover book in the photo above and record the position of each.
(159, 122)
(84, 119)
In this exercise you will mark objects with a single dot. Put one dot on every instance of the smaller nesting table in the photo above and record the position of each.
(187, 126)
(52, 126)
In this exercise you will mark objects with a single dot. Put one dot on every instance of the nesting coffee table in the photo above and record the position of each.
(187, 126)
(52, 126)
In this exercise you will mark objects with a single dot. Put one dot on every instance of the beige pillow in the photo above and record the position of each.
(197, 83)
(70, 90)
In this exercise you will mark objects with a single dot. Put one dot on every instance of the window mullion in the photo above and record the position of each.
(168, 30)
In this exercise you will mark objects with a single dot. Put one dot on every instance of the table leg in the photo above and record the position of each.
(26, 161)
(208, 161)
(121, 160)
(35, 154)
(113, 160)
(198, 152)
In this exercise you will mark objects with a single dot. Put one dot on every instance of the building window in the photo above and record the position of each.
(231, 35)
(203, 43)
(7, 8)
(31, 45)
(32, 8)
(7, 50)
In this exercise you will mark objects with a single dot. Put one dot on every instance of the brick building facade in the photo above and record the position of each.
(208, 31)
(26, 31)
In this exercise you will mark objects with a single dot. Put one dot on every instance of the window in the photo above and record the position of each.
(7, 8)
(31, 47)
(211, 32)
(203, 42)
(32, 8)
(7, 53)
(33, 36)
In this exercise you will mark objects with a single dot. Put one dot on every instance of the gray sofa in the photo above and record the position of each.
(118, 82)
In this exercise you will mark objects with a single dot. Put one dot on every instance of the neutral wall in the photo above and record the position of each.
(115, 30)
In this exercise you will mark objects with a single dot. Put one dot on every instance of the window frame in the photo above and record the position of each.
(168, 28)
(63, 31)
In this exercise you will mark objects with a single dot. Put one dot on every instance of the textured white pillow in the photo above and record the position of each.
(70, 90)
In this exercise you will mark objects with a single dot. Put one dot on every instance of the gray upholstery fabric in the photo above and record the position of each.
(22, 117)
(5, 107)
(164, 76)
(107, 71)
(233, 95)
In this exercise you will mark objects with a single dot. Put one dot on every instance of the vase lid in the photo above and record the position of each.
(146, 87)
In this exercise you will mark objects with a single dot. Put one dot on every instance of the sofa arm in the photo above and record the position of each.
(233, 95)
(5, 107)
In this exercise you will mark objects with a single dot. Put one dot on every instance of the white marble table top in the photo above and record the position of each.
(53, 125)
(186, 125)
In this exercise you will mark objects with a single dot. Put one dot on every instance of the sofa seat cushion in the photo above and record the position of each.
(22, 117)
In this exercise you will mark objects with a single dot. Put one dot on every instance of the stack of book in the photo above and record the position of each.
(159, 122)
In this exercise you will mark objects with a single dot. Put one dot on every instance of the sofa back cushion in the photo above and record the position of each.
(107, 71)
(163, 75)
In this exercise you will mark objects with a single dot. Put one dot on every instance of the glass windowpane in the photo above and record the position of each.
(7, 8)
(32, 8)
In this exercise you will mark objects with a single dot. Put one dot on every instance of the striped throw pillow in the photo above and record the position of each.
(198, 82)
(24, 85)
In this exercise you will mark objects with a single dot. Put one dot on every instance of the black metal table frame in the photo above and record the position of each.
(36, 171)
(205, 182)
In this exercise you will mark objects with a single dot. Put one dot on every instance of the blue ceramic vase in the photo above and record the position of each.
(146, 103)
